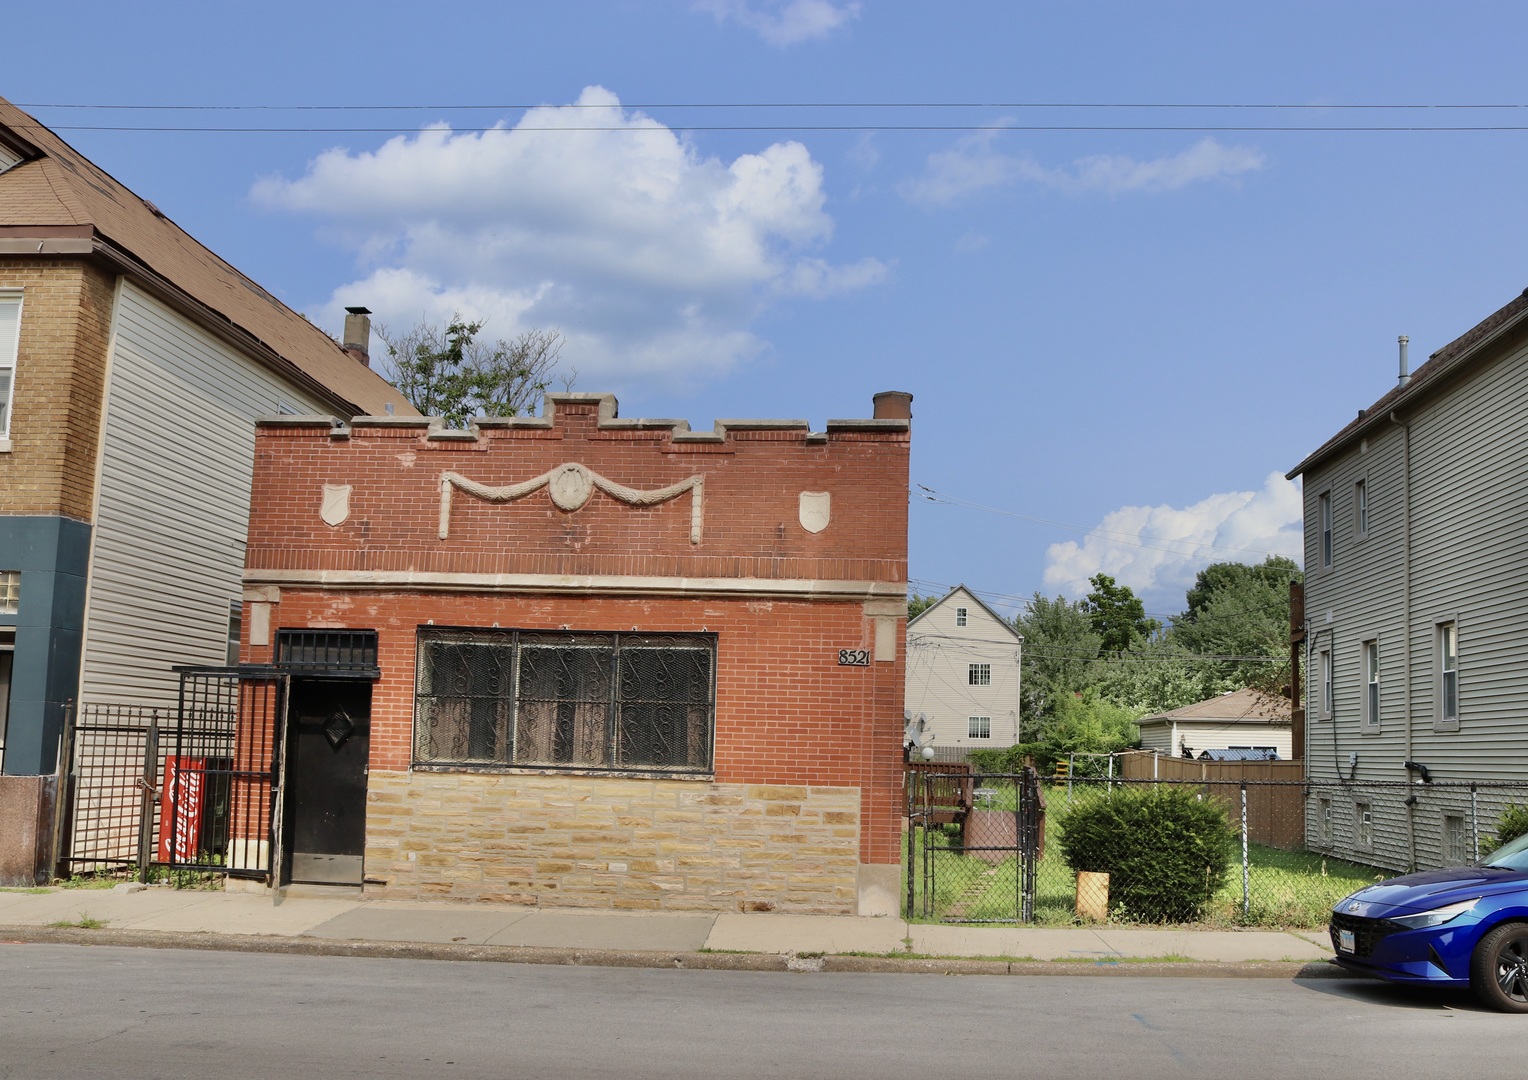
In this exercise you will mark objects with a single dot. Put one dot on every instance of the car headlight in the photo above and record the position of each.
(1435, 917)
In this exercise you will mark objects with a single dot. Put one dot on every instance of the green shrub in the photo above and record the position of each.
(1165, 850)
(1512, 823)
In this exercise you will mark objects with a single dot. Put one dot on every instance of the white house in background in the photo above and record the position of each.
(963, 673)
(1237, 720)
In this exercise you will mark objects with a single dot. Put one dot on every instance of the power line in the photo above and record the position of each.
(1026, 105)
(1199, 129)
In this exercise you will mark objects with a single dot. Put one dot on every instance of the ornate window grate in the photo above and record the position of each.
(507, 698)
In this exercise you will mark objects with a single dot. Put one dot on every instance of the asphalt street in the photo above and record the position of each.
(71, 1011)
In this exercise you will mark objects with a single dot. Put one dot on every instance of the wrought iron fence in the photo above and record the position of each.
(190, 788)
(1291, 848)
(112, 815)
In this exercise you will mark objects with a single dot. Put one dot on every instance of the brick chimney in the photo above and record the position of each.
(358, 334)
(893, 405)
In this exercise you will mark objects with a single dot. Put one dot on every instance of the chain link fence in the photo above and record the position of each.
(1294, 847)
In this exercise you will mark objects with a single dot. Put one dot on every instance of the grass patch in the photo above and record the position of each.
(1285, 889)
(84, 922)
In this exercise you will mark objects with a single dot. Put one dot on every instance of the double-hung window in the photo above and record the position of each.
(10, 336)
(1371, 685)
(979, 675)
(960, 616)
(1447, 713)
(978, 727)
(1324, 667)
(1324, 513)
(1361, 508)
(516, 698)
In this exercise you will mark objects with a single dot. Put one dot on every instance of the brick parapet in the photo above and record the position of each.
(749, 523)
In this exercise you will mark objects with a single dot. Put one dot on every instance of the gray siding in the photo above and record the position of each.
(1469, 521)
(173, 512)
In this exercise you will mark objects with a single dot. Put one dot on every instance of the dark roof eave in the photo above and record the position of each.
(219, 325)
(1421, 388)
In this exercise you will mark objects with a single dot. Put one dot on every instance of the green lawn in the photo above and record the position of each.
(1285, 889)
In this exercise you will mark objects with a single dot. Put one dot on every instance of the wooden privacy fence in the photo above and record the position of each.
(1275, 791)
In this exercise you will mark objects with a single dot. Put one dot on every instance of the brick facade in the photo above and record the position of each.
(59, 386)
(734, 556)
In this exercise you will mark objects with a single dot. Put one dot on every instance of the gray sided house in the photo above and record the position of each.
(963, 674)
(1416, 603)
(133, 362)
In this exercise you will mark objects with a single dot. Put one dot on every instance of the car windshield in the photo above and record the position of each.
(1513, 855)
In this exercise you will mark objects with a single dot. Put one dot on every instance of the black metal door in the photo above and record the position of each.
(326, 780)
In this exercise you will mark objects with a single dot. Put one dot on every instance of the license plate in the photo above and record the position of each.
(1345, 941)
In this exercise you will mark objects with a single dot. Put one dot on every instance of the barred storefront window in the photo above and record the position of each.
(533, 699)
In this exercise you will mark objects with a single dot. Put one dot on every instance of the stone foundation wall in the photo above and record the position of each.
(606, 842)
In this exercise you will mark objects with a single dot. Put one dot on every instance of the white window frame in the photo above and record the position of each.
(978, 674)
(10, 592)
(978, 727)
(1361, 507)
(1446, 675)
(1369, 654)
(961, 616)
(10, 350)
(1324, 537)
(1325, 689)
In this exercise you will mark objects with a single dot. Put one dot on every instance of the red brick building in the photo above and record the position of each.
(584, 660)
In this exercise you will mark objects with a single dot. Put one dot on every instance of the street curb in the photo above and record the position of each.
(685, 961)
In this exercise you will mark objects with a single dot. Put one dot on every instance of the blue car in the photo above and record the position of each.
(1463, 926)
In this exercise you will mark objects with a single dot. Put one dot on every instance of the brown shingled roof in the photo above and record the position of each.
(1239, 706)
(1454, 356)
(63, 193)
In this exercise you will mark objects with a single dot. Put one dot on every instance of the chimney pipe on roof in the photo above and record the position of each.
(893, 405)
(358, 334)
(1405, 366)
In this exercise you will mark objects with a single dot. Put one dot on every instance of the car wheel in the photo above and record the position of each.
(1499, 968)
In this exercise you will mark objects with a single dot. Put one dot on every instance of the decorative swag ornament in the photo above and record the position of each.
(570, 486)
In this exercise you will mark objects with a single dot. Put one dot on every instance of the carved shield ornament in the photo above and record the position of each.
(816, 508)
(336, 505)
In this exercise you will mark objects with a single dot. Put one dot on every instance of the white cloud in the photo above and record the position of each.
(1159, 549)
(783, 22)
(651, 258)
(975, 164)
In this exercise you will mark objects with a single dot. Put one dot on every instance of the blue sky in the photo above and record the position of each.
(1122, 320)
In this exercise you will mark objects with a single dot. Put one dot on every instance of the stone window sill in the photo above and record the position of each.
(620, 774)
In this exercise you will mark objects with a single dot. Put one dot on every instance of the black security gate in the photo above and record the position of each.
(973, 844)
(221, 762)
(189, 788)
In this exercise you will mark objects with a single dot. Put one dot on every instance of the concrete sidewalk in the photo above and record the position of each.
(327, 922)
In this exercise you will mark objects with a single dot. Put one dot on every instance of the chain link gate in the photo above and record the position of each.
(973, 849)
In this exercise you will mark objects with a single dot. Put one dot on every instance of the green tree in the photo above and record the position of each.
(1117, 615)
(917, 604)
(1159, 677)
(1236, 610)
(1057, 659)
(450, 373)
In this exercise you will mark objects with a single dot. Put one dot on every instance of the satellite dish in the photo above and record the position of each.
(917, 733)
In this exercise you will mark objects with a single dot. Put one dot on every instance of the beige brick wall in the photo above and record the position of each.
(60, 382)
(605, 842)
